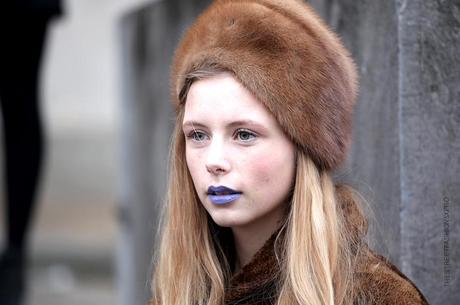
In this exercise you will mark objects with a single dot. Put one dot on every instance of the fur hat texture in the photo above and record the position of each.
(289, 59)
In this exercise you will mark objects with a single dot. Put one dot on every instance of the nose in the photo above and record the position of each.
(216, 161)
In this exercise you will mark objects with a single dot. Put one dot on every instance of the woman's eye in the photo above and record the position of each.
(197, 136)
(245, 135)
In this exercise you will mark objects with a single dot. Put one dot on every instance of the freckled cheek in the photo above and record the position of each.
(260, 172)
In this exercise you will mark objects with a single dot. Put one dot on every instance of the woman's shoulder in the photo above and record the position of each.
(383, 283)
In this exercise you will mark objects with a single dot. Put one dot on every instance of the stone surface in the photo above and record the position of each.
(429, 93)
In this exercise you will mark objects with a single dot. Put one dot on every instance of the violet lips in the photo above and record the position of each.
(222, 195)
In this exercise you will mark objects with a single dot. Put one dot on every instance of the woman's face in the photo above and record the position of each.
(233, 141)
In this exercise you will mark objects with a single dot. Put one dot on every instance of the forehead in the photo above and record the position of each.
(223, 98)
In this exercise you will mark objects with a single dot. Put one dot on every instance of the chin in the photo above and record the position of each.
(227, 220)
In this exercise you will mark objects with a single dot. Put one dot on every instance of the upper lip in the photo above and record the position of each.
(221, 190)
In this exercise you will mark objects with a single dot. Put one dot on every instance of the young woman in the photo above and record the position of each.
(263, 93)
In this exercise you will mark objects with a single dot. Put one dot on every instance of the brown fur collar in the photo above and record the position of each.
(254, 283)
(378, 280)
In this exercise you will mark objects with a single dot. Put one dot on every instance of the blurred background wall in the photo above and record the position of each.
(74, 233)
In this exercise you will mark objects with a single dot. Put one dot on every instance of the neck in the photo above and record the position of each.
(249, 239)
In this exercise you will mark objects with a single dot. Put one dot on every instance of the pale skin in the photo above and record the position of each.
(234, 141)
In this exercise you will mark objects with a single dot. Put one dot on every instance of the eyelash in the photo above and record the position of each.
(192, 134)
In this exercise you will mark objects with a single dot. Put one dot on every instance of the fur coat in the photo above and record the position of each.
(381, 281)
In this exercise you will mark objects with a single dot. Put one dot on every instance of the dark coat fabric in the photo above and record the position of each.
(49, 8)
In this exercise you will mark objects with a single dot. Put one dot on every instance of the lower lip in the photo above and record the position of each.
(223, 199)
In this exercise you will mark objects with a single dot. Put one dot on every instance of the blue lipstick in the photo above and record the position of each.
(221, 195)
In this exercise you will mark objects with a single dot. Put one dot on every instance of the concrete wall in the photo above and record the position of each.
(404, 157)
(429, 94)
(406, 131)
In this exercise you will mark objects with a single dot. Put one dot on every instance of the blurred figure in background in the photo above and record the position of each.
(23, 25)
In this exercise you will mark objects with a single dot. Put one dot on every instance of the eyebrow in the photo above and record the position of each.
(232, 124)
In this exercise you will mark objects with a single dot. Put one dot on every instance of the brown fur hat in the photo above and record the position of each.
(283, 53)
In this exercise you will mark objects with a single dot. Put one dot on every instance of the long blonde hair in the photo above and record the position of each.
(318, 251)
